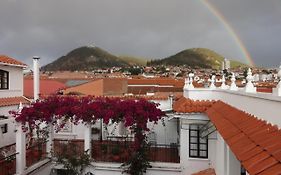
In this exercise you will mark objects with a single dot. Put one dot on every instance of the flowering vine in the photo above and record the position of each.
(134, 113)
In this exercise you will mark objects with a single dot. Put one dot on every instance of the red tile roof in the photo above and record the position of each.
(209, 171)
(10, 101)
(184, 105)
(100, 87)
(47, 87)
(8, 60)
(157, 81)
(255, 143)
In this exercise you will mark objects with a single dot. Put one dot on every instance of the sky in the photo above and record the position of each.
(145, 28)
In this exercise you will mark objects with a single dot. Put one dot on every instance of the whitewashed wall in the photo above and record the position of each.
(262, 105)
(15, 82)
(193, 165)
(9, 137)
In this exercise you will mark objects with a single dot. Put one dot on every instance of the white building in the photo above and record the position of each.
(225, 64)
(11, 95)
(218, 130)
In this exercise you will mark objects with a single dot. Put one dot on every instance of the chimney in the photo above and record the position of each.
(36, 77)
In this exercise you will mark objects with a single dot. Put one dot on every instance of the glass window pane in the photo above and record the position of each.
(193, 153)
(203, 153)
(193, 140)
(203, 147)
(193, 146)
(203, 140)
(193, 133)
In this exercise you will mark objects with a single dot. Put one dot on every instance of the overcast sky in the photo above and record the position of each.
(145, 28)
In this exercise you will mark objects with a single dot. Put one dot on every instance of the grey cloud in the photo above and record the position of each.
(148, 28)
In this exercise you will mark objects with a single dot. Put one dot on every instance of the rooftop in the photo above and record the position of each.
(11, 61)
(10, 101)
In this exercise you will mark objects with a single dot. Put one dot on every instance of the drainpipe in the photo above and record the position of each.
(36, 77)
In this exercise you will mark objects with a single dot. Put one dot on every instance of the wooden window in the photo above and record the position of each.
(198, 147)
(4, 79)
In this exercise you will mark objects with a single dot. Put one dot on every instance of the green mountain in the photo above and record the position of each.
(85, 59)
(196, 58)
(132, 60)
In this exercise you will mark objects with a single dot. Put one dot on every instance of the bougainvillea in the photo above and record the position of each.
(135, 113)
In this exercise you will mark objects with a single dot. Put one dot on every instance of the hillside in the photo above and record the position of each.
(132, 60)
(195, 58)
(85, 58)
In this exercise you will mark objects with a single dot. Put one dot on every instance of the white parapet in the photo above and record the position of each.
(223, 85)
(250, 86)
(212, 85)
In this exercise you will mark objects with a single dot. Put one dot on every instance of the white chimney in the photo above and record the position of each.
(36, 77)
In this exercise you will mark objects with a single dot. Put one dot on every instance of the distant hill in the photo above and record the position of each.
(85, 59)
(196, 58)
(132, 60)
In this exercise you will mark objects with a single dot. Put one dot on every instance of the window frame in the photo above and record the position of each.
(4, 128)
(4, 80)
(198, 143)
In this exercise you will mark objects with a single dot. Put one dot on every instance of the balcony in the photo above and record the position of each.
(119, 151)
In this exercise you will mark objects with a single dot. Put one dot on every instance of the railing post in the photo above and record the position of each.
(50, 142)
(21, 150)
(88, 138)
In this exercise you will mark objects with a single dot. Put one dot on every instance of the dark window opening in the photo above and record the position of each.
(4, 79)
(4, 128)
(198, 147)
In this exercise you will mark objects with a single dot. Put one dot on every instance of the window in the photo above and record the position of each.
(4, 128)
(4, 79)
(198, 147)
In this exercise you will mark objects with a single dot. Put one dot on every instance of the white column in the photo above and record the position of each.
(49, 145)
(233, 165)
(36, 77)
(221, 156)
(87, 139)
(184, 146)
(21, 150)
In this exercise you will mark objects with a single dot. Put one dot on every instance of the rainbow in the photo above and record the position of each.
(230, 30)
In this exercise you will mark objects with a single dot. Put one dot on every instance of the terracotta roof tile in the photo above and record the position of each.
(10, 101)
(47, 87)
(8, 60)
(184, 105)
(256, 144)
(209, 171)
(273, 170)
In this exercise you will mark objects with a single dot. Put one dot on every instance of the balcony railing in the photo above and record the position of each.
(164, 153)
(8, 165)
(75, 147)
(35, 153)
(113, 151)
(119, 151)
